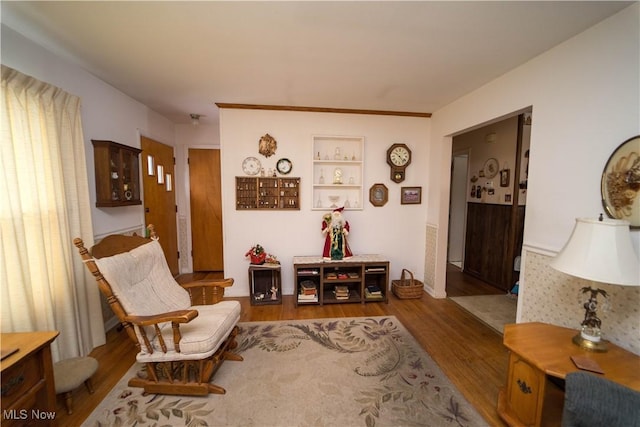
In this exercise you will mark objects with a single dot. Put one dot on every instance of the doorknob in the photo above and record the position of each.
(146, 210)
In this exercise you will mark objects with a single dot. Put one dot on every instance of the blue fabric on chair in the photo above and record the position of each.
(594, 401)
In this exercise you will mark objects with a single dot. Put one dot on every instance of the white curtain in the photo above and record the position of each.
(44, 205)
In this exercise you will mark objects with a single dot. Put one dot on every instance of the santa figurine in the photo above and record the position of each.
(336, 229)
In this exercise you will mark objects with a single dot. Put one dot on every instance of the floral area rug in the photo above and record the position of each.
(321, 372)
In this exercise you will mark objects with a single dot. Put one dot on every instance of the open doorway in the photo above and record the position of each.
(486, 207)
(458, 208)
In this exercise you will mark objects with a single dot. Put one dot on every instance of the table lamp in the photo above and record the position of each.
(599, 250)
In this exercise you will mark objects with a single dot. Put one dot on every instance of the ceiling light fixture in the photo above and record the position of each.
(195, 119)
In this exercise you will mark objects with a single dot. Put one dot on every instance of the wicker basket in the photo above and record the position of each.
(407, 287)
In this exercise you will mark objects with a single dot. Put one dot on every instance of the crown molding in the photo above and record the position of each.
(321, 110)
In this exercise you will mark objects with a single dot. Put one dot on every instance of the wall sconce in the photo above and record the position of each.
(598, 251)
(195, 119)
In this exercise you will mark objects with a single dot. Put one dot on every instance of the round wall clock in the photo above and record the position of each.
(251, 166)
(398, 158)
(284, 166)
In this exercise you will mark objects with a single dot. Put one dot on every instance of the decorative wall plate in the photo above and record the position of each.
(284, 166)
(620, 183)
(251, 166)
(491, 168)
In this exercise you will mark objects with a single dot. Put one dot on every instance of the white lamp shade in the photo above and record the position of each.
(600, 251)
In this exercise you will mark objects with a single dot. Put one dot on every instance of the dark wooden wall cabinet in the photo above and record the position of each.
(117, 169)
(493, 240)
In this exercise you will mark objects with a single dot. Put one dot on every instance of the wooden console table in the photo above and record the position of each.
(539, 353)
(360, 278)
(28, 391)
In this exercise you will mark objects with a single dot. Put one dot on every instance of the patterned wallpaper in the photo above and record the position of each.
(430, 257)
(553, 297)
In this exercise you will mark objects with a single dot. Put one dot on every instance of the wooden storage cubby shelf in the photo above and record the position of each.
(255, 193)
(337, 282)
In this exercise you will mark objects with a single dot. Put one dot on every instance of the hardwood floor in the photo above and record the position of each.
(470, 353)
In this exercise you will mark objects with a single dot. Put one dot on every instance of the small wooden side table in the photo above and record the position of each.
(28, 390)
(539, 353)
(264, 284)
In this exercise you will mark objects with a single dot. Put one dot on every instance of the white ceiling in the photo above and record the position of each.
(183, 57)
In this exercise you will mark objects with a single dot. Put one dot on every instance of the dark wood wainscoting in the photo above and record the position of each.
(493, 240)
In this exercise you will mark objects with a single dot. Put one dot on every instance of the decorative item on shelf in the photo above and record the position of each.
(336, 229)
(398, 158)
(334, 201)
(620, 182)
(337, 176)
(258, 256)
(267, 145)
(599, 251)
(378, 195)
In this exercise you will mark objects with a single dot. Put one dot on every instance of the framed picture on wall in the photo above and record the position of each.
(411, 195)
(378, 195)
(620, 182)
(504, 177)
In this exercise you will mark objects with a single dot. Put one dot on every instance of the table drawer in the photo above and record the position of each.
(19, 379)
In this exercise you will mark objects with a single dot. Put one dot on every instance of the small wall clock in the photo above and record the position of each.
(398, 158)
(284, 166)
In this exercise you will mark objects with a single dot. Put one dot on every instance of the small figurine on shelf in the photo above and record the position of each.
(336, 229)
(274, 293)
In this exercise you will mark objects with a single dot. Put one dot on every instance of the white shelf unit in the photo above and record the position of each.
(340, 156)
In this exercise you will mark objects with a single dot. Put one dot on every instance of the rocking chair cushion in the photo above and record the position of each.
(142, 281)
(200, 338)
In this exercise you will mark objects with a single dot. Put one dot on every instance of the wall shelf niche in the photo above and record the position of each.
(337, 165)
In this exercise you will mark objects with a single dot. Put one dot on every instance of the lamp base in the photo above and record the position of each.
(599, 346)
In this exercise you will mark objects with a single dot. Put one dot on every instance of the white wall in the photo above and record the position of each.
(585, 99)
(106, 114)
(395, 231)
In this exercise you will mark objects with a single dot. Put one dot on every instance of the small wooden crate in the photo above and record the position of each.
(407, 287)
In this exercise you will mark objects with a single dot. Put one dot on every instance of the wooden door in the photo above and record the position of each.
(159, 196)
(206, 210)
